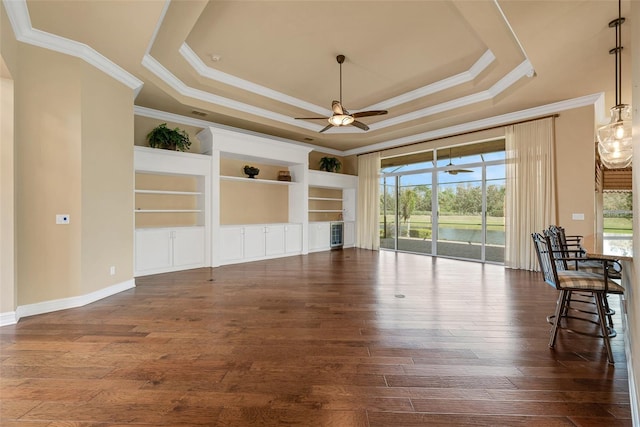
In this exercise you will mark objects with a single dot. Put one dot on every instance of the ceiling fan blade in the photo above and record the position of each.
(337, 107)
(329, 126)
(457, 171)
(369, 113)
(360, 125)
(311, 118)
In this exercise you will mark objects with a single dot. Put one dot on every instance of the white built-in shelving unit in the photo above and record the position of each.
(235, 241)
(332, 197)
(172, 204)
(197, 210)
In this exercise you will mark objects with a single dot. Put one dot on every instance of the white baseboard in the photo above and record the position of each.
(633, 395)
(63, 303)
(8, 318)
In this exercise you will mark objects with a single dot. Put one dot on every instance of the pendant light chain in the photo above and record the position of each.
(619, 54)
(614, 139)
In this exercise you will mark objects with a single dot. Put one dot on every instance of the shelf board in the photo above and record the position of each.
(167, 210)
(329, 199)
(255, 180)
(325, 210)
(178, 193)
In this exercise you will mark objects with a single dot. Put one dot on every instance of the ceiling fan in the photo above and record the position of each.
(341, 117)
(455, 171)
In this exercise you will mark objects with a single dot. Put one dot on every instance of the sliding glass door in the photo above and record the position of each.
(436, 207)
(460, 219)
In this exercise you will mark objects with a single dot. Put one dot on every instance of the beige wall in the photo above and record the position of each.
(8, 47)
(575, 172)
(7, 195)
(48, 174)
(73, 155)
(255, 203)
(349, 163)
(107, 180)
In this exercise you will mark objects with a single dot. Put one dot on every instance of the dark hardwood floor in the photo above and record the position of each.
(343, 338)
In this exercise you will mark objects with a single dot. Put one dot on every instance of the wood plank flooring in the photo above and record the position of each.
(342, 338)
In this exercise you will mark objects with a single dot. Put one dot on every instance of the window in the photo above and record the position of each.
(617, 222)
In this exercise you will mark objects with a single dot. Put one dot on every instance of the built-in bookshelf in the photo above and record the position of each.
(325, 204)
(165, 200)
(171, 210)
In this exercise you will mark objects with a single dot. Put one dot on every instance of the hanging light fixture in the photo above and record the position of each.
(614, 139)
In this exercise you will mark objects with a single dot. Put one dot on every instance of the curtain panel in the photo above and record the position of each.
(531, 189)
(367, 233)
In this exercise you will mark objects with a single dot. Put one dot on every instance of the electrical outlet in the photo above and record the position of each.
(62, 219)
(112, 270)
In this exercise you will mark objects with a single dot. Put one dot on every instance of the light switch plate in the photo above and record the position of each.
(577, 216)
(62, 219)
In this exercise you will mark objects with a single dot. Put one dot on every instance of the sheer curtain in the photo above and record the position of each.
(531, 190)
(368, 235)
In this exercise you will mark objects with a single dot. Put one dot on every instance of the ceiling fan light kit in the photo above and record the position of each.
(342, 117)
(341, 120)
(614, 139)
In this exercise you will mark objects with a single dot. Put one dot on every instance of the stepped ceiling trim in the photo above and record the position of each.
(597, 100)
(211, 73)
(524, 69)
(151, 64)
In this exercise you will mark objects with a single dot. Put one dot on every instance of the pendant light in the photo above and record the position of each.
(614, 139)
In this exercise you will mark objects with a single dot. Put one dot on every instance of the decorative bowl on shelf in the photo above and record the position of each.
(252, 171)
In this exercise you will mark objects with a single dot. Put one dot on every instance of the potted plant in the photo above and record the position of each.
(330, 164)
(169, 139)
(252, 171)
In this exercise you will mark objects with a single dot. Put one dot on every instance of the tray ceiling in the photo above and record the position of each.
(434, 65)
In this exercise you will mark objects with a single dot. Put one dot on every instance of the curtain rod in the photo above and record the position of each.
(466, 133)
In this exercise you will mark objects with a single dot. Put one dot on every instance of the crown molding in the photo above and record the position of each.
(595, 99)
(466, 76)
(522, 70)
(179, 86)
(156, 30)
(210, 73)
(18, 14)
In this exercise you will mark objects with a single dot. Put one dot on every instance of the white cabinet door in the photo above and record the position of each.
(349, 234)
(188, 246)
(231, 243)
(254, 241)
(319, 236)
(274, 240)
(153, 249)
(293, 238)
